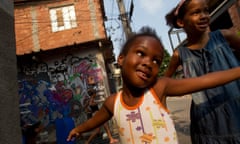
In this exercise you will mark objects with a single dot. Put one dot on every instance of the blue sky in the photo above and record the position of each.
(146, 12)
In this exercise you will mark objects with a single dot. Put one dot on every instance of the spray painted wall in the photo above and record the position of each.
(56, 86)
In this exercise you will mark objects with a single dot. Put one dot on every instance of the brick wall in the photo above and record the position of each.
(34, 31)
(234, 12)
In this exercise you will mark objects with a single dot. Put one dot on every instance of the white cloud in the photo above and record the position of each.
(151, 6)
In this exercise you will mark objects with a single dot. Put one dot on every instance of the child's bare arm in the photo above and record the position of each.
(184, 86)
(233, 38)
(101, 116)
(173, 65)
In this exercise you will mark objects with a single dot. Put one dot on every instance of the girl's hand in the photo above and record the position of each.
(73, 134)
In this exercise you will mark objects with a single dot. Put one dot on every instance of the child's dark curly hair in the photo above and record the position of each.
(177, 13)
(144, 31)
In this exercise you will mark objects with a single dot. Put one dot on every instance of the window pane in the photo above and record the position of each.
(63, 18)
(60, 18)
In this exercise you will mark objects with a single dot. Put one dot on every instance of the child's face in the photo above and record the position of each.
(140, 66)
(196, 18)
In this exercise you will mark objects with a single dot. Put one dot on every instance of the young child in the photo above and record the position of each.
(214, 112)
(140, 107)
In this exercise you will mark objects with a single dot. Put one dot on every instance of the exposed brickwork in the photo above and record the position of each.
(33, 25)
(234, 13)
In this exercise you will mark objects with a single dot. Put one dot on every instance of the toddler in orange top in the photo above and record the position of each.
(140, 108)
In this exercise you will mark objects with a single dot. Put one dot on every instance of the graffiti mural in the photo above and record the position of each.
(50, 90)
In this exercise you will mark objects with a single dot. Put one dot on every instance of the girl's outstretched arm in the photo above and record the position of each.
(173, 87)
(101, 116)
(173, 65)
(233, 38)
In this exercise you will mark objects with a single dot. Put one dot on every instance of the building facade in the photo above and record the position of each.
(62, 51)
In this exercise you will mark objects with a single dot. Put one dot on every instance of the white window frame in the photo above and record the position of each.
(68, 17)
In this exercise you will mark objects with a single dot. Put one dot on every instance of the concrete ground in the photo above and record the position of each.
(180, 110)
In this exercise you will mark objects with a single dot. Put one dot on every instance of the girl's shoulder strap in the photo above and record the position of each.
(183, 52)
(217, 35)
(116, 101)
(157, 98)
(118, 94)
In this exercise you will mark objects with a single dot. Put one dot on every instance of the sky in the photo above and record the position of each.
(146, 13)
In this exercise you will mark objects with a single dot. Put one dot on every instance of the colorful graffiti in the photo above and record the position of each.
(59, 89)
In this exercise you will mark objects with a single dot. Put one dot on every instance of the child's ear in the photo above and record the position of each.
(180, 23)
(120, 60)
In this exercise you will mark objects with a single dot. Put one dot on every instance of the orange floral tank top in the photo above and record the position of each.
(148, 122)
